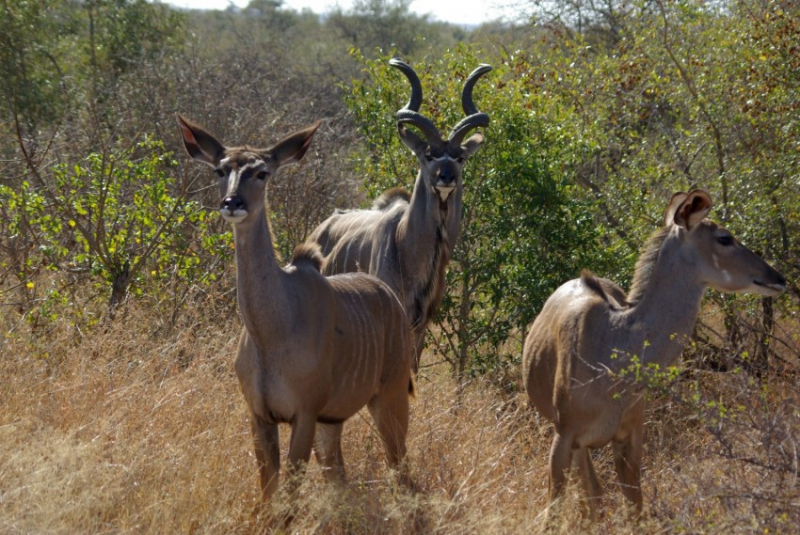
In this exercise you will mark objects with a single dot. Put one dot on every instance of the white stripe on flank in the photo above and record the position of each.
(356, 325)
(388, 333)
(362, 349)
(369, 334)
(356, 220)
(347, 254)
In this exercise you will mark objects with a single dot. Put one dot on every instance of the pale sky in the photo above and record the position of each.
(454, 11)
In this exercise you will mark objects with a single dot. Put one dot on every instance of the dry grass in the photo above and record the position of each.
(123, 431)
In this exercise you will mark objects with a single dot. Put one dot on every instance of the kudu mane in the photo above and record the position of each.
(646, 264)
(428, 294)
(389, 197)
(642, 276)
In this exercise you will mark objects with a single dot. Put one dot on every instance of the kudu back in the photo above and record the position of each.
(589, 333)
(314, 350)
(407, 240)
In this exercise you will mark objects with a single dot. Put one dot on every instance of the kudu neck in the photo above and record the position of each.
(258, 274)
(666, 305)
(428, 215)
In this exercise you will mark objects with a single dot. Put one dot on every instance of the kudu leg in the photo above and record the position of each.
(390, 414)
(328, 450)
(628, 464)
(419, 344)
(265, 438)
(582, 460)
(300, 445)
(628, 457)
(560, 462)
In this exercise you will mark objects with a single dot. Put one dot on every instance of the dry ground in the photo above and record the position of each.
(123, 431)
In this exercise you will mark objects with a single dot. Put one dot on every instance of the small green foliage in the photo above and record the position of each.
(118, 217)
(524, 229)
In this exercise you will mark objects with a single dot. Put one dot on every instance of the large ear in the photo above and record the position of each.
(411, 140)
(200, 144)
(294, 146)
(472, 144)
(694, 208)
(672, 207)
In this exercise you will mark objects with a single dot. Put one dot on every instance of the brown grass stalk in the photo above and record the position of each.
(126, 430)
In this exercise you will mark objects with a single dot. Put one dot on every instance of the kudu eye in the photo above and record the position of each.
(262, 175)
(220, 173)
(725, 241)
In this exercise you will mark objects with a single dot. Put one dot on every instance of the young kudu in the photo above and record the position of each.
(314, 350)
(589, 332)
(405, 240)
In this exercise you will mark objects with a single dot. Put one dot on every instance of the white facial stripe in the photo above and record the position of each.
(234, 177)
(252, 165)
(233, 183)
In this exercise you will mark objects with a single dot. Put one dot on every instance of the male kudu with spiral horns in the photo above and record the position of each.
(407, 241)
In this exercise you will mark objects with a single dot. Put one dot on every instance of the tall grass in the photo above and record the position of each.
(132, 429)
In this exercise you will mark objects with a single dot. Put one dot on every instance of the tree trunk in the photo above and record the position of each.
(119, 290)
(760, 362)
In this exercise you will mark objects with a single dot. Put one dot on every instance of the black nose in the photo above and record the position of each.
(232, 203)
(446, 177)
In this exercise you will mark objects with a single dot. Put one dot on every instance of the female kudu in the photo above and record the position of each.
(314, 350)
(589, 332)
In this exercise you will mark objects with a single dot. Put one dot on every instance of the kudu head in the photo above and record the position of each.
(441, 160)
(243, 171)
(721, 261)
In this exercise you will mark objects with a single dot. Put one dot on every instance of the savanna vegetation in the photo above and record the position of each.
(121, 410)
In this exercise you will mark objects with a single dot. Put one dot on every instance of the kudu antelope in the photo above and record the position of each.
(589, 333)
(314, 350)
(407, 240)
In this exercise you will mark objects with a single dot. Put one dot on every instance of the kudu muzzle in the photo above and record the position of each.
(445, 177)
(232, 207)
